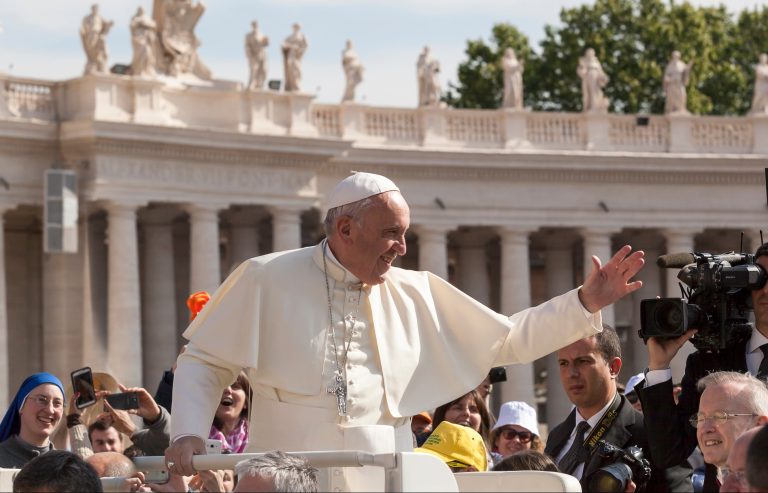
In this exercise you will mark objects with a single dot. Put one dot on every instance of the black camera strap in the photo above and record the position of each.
(602, 426)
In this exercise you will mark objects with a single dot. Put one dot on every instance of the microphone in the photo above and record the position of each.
(680, 260)
(675, 260)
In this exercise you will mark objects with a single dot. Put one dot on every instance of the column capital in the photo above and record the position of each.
(287, 209)
(674, 233)
(590, 231)
(122, 206)
(7, 206)
(515, 234)
(432, 229)
(204, 208)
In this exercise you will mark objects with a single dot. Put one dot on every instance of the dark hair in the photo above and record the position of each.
(101, 426)
(242, 380)
(527, 460)
(485, 417)
(762, 250)
(58, 471)
(608, 343)
(757, 457)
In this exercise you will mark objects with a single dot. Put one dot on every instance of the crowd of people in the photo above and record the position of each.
(717, 440)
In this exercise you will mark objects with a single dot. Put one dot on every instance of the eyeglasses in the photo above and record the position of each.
(738, 476)
(511, 433)
(632, 397)
(44, 401)
(719, 417)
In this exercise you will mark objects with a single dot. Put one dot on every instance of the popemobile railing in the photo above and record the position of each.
(403, 471)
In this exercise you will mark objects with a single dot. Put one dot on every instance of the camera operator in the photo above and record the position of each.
(673, 440)
(588, 372)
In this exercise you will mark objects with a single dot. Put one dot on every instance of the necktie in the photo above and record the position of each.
(577, 453)
(762, 372)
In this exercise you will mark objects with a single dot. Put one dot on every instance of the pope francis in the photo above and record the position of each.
(341, 348)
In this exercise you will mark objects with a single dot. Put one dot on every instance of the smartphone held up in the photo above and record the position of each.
(82, 385)
(123, 401)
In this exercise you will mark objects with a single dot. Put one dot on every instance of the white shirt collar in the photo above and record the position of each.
(756, 340)
(594, 419)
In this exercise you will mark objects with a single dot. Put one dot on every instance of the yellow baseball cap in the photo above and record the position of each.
(457, 446)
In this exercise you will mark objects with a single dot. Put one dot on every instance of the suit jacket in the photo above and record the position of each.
(673, 440)
(628, 429)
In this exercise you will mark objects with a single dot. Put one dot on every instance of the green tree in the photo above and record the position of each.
(634, 40)
(480, 77)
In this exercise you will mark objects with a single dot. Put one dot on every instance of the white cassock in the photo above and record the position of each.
(415, 343)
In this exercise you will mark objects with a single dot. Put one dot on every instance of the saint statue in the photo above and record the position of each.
(93, 33)
(513, 80)
(256, 49)
(353, 71)
(144, 42)
(676, 77)
(176, 21)
(428, 74)
(593, 79)
(294, 47)
(760, 98)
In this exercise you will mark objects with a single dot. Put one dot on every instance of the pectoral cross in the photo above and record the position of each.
(339, 389)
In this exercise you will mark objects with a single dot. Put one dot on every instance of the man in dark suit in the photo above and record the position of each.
(674, 440)
(588, 372)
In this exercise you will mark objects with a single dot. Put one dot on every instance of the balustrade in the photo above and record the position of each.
(271, 112)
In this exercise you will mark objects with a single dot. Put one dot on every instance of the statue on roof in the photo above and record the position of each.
(176, 21)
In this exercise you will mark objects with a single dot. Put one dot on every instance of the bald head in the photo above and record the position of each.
(737, 462)
(757, 458)
(111, 465)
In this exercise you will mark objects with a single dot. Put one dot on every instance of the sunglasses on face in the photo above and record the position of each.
(632, 397)
(511, 433)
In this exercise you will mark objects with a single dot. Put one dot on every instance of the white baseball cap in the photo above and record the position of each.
(518, 413)
(358, 186)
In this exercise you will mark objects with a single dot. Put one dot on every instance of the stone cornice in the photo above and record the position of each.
(565, 169)
(210, 145)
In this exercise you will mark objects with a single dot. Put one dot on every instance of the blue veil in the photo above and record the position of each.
(11, 421)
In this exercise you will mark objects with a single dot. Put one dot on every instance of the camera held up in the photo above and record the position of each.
(626, 465)
(716, 300)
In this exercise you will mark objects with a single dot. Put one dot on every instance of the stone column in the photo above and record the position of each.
(62, 316)
(651, 276)
(5, 389)
(678, 241)
(123, 305)
(597, 241)
(243, 235)
(286, 227)
(205, 261)
(159, 295)
(559, 275)
(472, 268)
(433, 252)
(516, 296)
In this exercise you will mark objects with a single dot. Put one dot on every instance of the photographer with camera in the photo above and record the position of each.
(603, 427)
(724, 343)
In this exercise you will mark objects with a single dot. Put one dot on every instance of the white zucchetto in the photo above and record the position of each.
(358, 186)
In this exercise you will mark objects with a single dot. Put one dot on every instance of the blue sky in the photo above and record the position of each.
(40, 39)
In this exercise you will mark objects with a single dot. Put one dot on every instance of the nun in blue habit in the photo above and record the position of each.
(31, 419)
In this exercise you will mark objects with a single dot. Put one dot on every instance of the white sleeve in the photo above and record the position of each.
(198, 382)
(653, 377)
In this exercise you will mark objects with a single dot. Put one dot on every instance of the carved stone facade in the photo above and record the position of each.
(179, 183)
